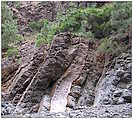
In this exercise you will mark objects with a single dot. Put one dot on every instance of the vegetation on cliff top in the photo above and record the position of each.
(109, 24)
(9, 29)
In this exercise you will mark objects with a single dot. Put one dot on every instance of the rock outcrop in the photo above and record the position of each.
(65, 82)
(10, 65)
(114, 87)
(24, 75)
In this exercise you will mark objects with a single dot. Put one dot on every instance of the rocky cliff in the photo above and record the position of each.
(67, 78)
(64, 81)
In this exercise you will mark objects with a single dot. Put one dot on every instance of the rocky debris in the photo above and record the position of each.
(122, 96)
(6, 108)
(112, 89)
(127, 95)
(103, 111)
(70, 101)
(75, 91)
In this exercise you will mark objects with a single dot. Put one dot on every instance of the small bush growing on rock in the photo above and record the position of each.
(12, 52)
(109, 46)
(36, 25)
(47, 32)
(40, 40)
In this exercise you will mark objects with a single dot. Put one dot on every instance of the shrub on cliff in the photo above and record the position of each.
(47, 32)
(84, 22)
(108, 21)
(121, 16)
(36, 25)
(12, 52)
(121, 22)
(8, 27)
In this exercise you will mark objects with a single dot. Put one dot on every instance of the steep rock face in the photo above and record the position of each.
(59, 58)
(13, 64)
(92, 76)
(83, 88)
(115, 87)
(59, 99)
(66, 78)
(24, 75)
(64, 66)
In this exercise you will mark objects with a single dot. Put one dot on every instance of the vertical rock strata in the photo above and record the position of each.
(66, 78)
(59, 99)
(56, 62)
(114, 87)
(24, 75)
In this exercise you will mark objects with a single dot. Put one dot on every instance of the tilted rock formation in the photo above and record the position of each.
(24, 75)
(56, 62)
(66, 79)
(59, 99)
(115, 87)
(10, 65)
